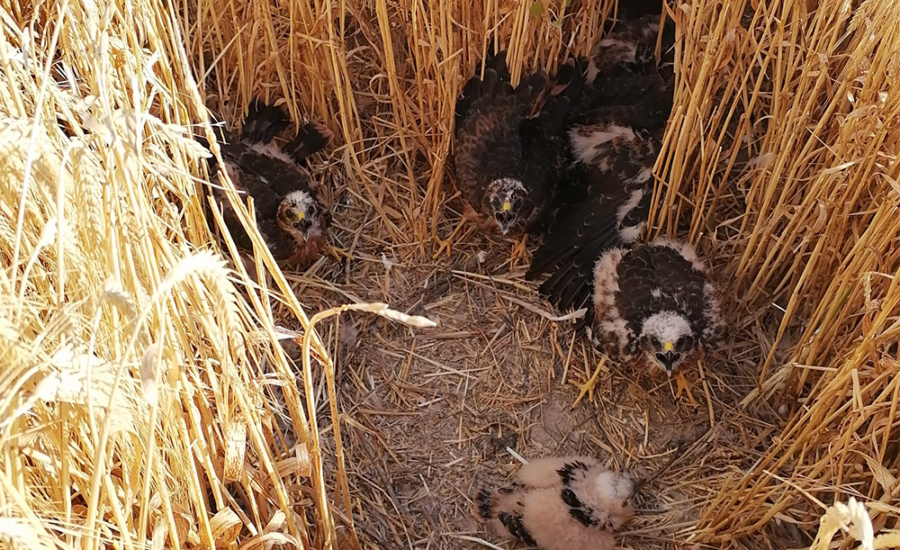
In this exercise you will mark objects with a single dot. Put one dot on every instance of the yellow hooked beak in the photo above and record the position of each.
(301, 214)
(668, 346)
(506, 207)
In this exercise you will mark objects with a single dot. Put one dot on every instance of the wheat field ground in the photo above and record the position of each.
(141, 360)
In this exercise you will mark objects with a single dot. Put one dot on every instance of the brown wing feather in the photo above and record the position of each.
(615, 142)
(630, 47)
(604, 187)
(270, 169)
(265, 203)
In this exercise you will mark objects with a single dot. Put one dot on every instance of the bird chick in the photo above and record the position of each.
(510, 148)
(655, 304)
(290, 215)
(615, 136)
(606, 201)
(560, 503)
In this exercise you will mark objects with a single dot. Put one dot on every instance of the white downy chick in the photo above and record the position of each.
(559, 503)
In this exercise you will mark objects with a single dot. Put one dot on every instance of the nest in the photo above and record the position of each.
(149, 398)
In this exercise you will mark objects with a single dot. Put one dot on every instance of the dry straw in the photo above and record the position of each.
(135, 362)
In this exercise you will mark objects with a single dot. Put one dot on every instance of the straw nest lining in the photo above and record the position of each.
(780, 163)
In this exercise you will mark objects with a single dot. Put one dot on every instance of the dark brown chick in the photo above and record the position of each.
(290, 215)
(510, 148)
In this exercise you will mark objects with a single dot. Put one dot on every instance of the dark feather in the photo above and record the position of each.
(577, 510)
(515, 133)
(567, 472)
(513, 522)
(585, 224)
(651, 112)
(629, 47)
(567, 93)
(569, 251)
(495, 72)
(588, 225)
(263, 122)
(262, 173)
(312, 138)
(265, 203)
(681, 287)
(629, 10)
(483, 503)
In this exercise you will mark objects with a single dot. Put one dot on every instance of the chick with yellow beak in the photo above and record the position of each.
(302, 211)
(507, 199)
(667, 339)
(668, 359)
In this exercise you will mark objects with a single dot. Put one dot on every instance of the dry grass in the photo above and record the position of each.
(134, 406)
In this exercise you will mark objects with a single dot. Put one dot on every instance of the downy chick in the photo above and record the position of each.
(560, 503)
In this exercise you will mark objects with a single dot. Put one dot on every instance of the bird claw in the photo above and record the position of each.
(519, 250)
(682, 385)
(588, 387)
(445, 244)
(337, 253)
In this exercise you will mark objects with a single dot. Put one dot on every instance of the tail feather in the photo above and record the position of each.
(312, 138)
(531, 87)
(570, 78)
(492, 85)
(263, 122)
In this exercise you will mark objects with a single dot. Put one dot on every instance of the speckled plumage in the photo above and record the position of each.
(629, 48)
(279, 183)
